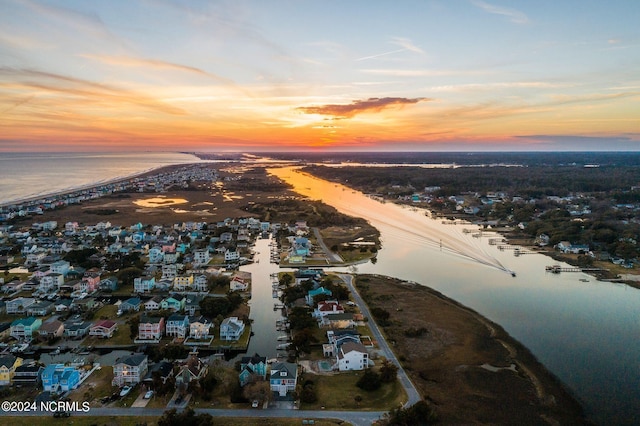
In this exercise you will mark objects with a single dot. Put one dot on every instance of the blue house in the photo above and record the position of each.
(58, 378)
(316, 292)
(252, 368)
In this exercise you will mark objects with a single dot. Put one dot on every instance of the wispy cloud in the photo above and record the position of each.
(405, 44)
(35, 80)
(515, 16)
(359, 106)
(394, 72)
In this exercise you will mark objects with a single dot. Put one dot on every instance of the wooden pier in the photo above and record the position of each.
(556, 269)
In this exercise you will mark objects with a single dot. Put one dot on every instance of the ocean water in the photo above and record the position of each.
(26, 175)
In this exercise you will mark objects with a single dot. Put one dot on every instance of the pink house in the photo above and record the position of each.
(104, 329)
(90, 282)
(150, 328)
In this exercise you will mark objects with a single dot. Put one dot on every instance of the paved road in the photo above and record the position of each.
(331, 256)
(359, 418)
(411, 390)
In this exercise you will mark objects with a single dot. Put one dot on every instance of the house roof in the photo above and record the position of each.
(50, 326)
(351, 347)
(290, 369)
(255, 359)
(132, 360)
(105, 324)
(7, 360)
(24, 321)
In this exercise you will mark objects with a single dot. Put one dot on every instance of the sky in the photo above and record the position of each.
(357, 75)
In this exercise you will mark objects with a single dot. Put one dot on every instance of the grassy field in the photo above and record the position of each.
(338, 392)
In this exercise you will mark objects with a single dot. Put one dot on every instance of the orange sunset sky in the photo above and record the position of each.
(332, 75)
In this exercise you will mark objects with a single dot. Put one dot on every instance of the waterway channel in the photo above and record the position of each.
(584, 331)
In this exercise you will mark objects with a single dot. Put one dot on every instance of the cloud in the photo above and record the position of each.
(405, 45)
(514, 15)
(359, 106)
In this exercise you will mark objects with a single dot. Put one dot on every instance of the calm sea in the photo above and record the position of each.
(24, 175)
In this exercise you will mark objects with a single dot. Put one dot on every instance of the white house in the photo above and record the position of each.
(130, 369)
(352, 356)
(231, 329)
(284, 377)
(201, 257)
(144, 284)
(231, 256)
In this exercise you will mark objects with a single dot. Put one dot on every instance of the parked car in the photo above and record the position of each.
(125, 390)
(255, 403)
(148, 395)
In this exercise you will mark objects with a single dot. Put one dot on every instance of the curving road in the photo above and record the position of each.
(411, 390)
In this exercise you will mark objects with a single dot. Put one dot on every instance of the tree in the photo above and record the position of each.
(187, 417)
(303, 339)
(369, 381)
(421, 413)
(286, 280)
(388, 371)
(257, 391)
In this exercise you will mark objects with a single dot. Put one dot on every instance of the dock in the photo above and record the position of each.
(556, 269)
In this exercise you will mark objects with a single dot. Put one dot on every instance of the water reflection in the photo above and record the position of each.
(587, 333)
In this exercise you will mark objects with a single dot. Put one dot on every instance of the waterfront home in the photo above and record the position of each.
(192, 369)
(108, 284)
(328, 307)
(352, 356)
(60, 378)
(25, 328)
(283, 378)
(174, 303)
(103, 329)
(19, 305)
(150, 328)
(62, 305)
(51, 329)
(193, 304)
(13, 286)
(8, 365)
(199, 327)
(76, 328)
(163, 369)
(231, 329)
(144, 284)
(252, 368)
(40, 308)
(231, 255)
(338, 321)
(238, 284)
(27, 374)
(130, 369)
(183, 283)
(130, 305)
(177, 326)
(153, 304)
(170, 257)
(313, 293)
(156, 255)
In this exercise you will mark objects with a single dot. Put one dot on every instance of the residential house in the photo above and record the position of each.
(231, 329)
(130, 369)
(352, 356)
(150, 328)
(156, 255)
(170, 257)
(8, 365)
(144, 284)
(193, 369)
(40, 308)
(328, 307)
(238, 284)
(19, 305)
(130, 305)
(313, 293)
(252, 368)
(51, 329)
(90, 281)
(183, 283)
(76, 328)
(201, 257)
(104, 329)
(284, 377)
(200, 283)
(153, 304)
(199, 327)
(13, 286)
(60, 378)
(25, 328)
(192, 304)
(50, 282)
(62, 305)
(231, 255)
(164, 370)
(175, 303)
(177, 326)
(338, 321)
(28, 374)
(109, 284)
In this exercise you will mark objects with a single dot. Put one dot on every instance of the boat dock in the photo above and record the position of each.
(556, 269)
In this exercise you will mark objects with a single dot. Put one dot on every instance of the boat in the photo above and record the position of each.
(584, 280)
(283, 337)
(284, 345)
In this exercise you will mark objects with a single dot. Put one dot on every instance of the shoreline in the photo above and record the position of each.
(91, 186)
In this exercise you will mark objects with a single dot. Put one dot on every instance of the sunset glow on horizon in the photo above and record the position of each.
(322, 75)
